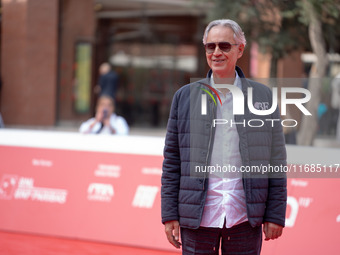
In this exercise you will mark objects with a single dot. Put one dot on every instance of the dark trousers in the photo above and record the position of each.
(240, 239)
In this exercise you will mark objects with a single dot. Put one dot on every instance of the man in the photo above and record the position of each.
(227, 209)
(108, 81)
(105, 121)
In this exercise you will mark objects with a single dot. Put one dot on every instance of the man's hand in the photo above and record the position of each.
(107, 121)
(172, 233)
(272, 230)
(99, 116)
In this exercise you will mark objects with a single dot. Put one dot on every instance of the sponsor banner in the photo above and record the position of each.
(115, 197)
(312, 219)
(107, 197)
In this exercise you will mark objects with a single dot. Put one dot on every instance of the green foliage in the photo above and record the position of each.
(288, 30)
(328, 11)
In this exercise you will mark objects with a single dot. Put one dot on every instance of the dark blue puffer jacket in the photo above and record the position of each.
(188, 144)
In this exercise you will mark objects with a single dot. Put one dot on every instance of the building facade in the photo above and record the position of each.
(51, 51)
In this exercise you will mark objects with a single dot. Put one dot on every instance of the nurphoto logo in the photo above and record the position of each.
(257, 108)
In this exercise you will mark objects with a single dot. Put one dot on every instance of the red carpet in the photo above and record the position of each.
(21, 244)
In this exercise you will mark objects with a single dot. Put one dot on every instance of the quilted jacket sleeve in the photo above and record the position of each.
(277, 183)
(171, 167)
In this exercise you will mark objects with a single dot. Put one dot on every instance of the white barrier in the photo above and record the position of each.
(107, 188)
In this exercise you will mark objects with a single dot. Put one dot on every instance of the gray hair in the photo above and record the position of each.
(238, 33)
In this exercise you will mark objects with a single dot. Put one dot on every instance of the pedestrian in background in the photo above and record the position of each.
(105, 121)
(108, 81)
(2, 125)
(336, 101)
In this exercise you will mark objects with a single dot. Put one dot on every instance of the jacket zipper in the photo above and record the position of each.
(209, 144)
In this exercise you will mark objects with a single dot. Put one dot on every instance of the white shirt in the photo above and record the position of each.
(225, 199)
(118, 123)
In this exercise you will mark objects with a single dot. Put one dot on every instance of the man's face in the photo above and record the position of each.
(223, 63)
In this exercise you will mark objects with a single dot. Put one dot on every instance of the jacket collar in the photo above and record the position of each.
(240, 73)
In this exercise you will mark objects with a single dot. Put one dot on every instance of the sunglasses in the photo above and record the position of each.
(223, 46)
